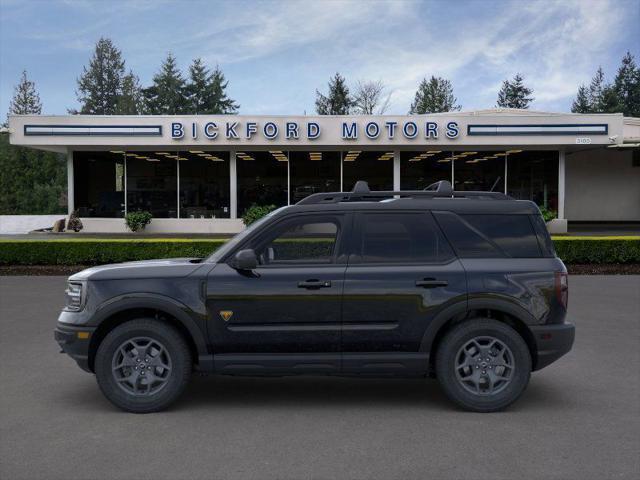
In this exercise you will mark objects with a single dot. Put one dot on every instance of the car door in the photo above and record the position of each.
(286, 314)
(401, 273)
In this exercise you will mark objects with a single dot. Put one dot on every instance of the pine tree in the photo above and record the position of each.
(627, 86)
(206, 91)
(130, 101)
(596, 91)
(99, 86)
(434, 95)
(581, 104)
(218, 101)
(167, 95)
(338, 101)
(514, 94)
(25, 99)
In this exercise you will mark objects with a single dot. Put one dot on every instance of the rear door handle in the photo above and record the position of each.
(431, 283)
(314, 284)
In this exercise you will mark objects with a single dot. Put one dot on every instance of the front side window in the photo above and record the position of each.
(300, 241)
(401, 238)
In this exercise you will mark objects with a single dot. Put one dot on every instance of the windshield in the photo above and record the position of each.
(239, 238)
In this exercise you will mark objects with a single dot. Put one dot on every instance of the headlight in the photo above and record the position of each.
(75, 296)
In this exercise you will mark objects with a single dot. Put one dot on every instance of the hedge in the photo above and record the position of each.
(572, 250)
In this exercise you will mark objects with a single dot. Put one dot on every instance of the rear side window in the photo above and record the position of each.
(544, 239)
(400, 238)
(492, 235)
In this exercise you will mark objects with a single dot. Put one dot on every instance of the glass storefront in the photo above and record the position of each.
(313, 172)
(481, 170)
(374, 167)
(204, 184)
(420, 169)
(152, 184)
(533, 175)
(196, 184)
(99, 184)
(262, 179)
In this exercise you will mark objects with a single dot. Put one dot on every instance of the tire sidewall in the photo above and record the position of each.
(178, 377)
(459, 336)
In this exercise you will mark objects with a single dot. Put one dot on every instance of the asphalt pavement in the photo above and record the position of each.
(579, 418)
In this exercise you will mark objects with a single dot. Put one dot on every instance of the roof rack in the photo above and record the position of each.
(362, 193)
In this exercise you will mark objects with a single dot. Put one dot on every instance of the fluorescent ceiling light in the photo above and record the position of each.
(514, 151)
(116, 151)
(196, 151)
(434, 151)
(444, 160)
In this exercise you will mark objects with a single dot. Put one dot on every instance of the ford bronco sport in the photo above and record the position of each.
(463, 286)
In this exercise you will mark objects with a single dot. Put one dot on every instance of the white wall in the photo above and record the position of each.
(25, 223)
(602, 185)
(166, 225)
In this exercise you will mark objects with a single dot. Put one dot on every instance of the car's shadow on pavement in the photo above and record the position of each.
(319, 392)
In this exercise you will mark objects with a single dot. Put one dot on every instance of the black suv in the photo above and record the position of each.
(463, 286)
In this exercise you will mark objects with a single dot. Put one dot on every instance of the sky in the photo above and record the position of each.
(275, 54)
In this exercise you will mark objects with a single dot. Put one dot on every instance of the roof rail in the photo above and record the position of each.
(362, 193)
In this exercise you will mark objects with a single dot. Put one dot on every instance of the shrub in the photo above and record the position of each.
(137, 220)
(256, 212)
(547, 214)
(74, 222)
(76, 251)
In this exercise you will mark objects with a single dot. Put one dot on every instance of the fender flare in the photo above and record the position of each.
(179, 311)
(494, 302)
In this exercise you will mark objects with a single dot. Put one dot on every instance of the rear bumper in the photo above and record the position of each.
(552, 342)
(74, 341)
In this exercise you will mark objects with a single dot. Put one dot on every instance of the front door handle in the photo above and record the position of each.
(314, 284)
(431, 283)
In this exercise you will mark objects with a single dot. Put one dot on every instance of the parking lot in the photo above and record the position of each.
(580, 418)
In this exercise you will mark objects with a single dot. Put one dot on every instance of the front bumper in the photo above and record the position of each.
(552, 342)
(75, 341)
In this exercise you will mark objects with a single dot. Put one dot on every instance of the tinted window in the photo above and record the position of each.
(468, 242)
(303, 241)
(401, 238)
(490, 236)
(544, 239)
(512, 233)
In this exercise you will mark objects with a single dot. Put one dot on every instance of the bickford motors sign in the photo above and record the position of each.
(294, 130)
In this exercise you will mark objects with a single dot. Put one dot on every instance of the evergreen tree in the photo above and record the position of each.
(100, 85)
(433, 96)
(514, 94)
(167, 95)
(596, 91)
(206, 91)
(338, 101)
(25, 99)
(130, 101)
(581, 104)
(627, 86)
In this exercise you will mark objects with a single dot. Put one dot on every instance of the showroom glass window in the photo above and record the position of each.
(152, 183)
(479, 170)
(419, 169)
(204, 184)
(99, 184)
(376, 168)
(262, 179)
(313, 172)
(533, 175)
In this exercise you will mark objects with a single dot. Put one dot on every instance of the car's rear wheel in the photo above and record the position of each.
(143, 365)
(483, 365)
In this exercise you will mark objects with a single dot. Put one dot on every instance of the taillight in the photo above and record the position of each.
(562, 288)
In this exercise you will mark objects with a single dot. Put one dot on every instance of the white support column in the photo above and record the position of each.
(341, 171)
(177, 188)
(561, 183)
(506, 172)
(396, 170)
(288, 179)
(70, 183)
(233, 185)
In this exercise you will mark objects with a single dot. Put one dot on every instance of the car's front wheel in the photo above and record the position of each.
(483, 365)
(143, 365)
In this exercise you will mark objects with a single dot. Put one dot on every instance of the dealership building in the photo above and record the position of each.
(200, 173)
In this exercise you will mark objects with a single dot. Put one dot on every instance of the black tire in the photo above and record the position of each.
(170, 368)
(453, 364)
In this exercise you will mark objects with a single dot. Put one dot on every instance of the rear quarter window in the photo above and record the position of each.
(490, 235)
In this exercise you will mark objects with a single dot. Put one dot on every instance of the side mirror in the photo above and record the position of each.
(245, 260)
